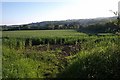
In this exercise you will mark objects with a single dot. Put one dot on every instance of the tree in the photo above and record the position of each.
(118, 16)
(118, 19)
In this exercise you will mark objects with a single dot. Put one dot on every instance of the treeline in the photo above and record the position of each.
(95, 28)
(63, 24)
(110, 27)
(85, 25)
(45, 26)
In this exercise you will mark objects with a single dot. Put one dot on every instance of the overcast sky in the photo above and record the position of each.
(46, 10)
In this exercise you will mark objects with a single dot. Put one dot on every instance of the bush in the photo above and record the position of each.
(101, 62)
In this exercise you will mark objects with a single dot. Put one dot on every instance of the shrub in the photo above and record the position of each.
(101, 62)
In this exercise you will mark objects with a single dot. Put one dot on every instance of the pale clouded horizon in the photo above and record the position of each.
(28, 12)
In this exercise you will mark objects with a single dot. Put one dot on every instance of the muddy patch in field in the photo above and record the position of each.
(65, 50)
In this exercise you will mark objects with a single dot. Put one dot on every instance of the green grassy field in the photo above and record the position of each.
(60, 54)
(42, 33)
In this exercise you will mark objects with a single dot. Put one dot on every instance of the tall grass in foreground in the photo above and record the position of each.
(29, 64)
(99, 62)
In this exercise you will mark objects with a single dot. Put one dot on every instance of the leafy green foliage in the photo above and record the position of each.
(109, 27)
(99, 62)
(60, 54)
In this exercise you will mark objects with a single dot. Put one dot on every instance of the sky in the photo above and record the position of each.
(23, 12)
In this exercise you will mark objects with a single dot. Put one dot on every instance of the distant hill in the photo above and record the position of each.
(82, 22)
(63, 24)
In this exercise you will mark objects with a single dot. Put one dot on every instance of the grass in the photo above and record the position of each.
(28, 64)
(60, 54)
(101, 62)
(41, 33)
